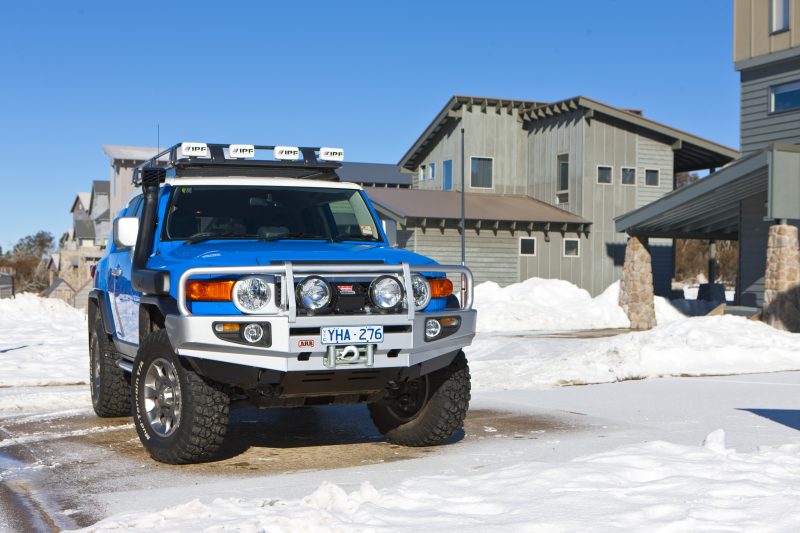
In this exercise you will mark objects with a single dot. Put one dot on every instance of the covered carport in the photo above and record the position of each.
(755, 201)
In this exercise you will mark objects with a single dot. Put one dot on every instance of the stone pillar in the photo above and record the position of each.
(782, 278)
(636, 292)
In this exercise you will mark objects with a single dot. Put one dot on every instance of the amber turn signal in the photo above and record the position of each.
(209, 291)
(441, 287)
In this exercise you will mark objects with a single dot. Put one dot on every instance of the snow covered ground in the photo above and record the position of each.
(42, 342)
(639, 464)
(645, 486)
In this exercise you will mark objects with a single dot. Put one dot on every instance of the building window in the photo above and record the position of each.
(432, 171)
(785, 97)
(572, 247)
(447, 175)
(779, 16)
(563, 172)
(604, 175)
(527, 246)
(628, 176)
(562, 179)
(481, 173)
(651, 178)
(421, 173)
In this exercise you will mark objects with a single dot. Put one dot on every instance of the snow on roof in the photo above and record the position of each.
(129, 153)
(83, 198)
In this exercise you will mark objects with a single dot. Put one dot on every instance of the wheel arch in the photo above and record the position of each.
(153, 311)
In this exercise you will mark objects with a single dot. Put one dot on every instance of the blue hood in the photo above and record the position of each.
(180, 258)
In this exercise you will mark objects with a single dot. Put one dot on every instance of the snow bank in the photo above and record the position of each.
(42, 342)
(651, 486)
(716, 345)
(554, 304)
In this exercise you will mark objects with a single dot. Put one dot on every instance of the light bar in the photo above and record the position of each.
(287, 153)
(241, 151)
(194, 150)
(331, 154)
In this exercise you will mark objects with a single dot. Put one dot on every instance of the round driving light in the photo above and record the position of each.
(386, 292)
(432, 328)
(422, 291)
(314, 293)
(253, 333)
(251, 295)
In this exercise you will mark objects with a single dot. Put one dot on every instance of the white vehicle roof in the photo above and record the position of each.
(250, 181)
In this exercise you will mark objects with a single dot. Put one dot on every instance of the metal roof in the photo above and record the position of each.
(373, 173)
(403, 204)
(707, 209)
(101, 186)
(691, 152)
(84, 229)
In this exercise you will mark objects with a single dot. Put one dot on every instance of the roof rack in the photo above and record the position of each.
(207, 159)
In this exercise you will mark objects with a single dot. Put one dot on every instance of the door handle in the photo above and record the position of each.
(116, 272)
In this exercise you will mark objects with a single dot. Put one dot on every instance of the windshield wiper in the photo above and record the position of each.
(210, 235)
(292, 235)
(354, 237)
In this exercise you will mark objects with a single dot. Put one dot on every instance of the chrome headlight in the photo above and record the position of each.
(314, 293)
(251, 294)
(422, 291)
(386, 292)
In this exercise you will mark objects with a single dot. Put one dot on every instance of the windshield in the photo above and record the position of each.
(268, 213)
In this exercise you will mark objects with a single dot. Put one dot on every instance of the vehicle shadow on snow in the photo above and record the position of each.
(787, 417)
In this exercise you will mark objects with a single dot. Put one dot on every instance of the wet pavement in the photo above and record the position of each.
(54, 466)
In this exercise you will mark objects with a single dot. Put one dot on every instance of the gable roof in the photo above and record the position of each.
(691, 152)
(101, 187)
(373, 173)
(404, 204)
(409, 160)
(83, 198)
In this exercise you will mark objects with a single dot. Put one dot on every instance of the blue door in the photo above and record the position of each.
(447, 169)
(124, 300)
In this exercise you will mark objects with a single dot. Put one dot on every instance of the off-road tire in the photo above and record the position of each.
(204, 408)
(442, 414)
(109, 384)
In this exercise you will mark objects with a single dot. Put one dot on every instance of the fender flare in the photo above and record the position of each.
(104, 306)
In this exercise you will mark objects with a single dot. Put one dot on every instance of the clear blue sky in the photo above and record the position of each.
(365, 76)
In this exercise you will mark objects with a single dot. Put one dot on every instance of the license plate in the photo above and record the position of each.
(352, 335)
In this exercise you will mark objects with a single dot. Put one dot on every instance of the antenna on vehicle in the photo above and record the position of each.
(158, 138)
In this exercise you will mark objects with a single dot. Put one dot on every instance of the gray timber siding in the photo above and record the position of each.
(486, 134)
(759, 128)
(496, 257)
(547, 139)
(525, 162)
(752, 250)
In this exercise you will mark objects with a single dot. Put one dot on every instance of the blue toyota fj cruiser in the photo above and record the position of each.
(240, 280)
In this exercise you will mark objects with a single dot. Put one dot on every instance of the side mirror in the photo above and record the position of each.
(125, 231)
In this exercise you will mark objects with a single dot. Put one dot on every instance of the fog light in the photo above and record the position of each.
(253, 333)
(432, 328)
